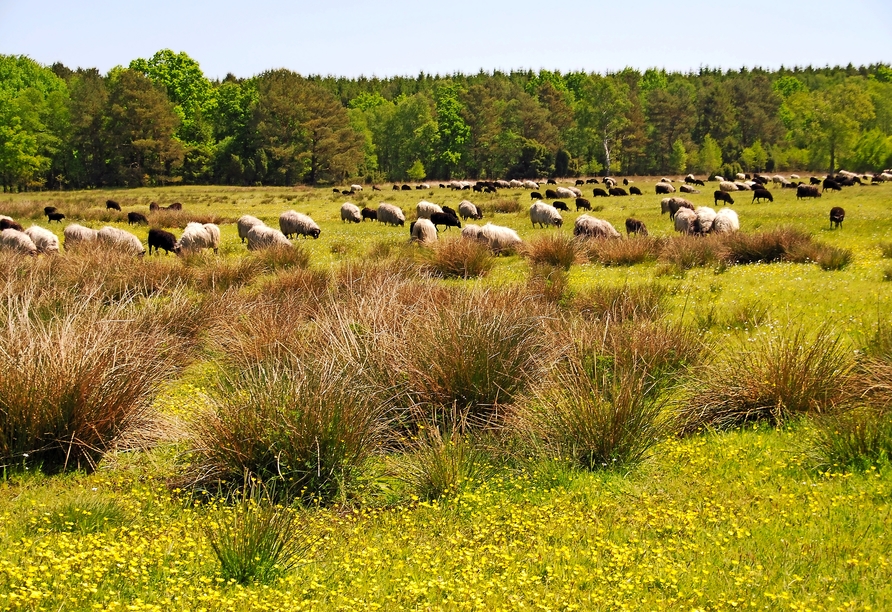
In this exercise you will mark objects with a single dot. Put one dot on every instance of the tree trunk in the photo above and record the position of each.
(607, 158)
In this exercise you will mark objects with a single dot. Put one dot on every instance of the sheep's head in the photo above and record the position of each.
(315, 233)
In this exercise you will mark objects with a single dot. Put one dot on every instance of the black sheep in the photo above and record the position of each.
(592, 181)
(583, 204)
(560, 205)
(112, 205)
(154, 206)
(159, 239)
(618, 191)
(599, 193)
(175, 206)
(634, 191)
(634, 226)
(446, 219)
(551, 182)
(807, 191)
(369, 213)
(450, 211)
(406, 188)
(49, 209)
(135, 218)
(814, 181)
(535, 196)
(626, 182)
(376, 188)
(721, 196)
(830, 184)
(396, 187)
(55, 216)
(762, 194)
(663, 188)
(551, 194)
(10, 224)
(580, 182)
(837, 215)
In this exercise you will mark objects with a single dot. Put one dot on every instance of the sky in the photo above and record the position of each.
(353, 38)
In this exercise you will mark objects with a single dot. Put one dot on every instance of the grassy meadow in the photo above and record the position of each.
(362, 423)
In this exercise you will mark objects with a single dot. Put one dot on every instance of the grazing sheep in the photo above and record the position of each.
(450, 211)
(351, 213)
(112, 205)
(618, 191)
(672, 205)
(807, 191)
(45, 240)
(77, 235)
(705, 218)
(741, 176)
(153, 207)
(544, 214)
(690, 179)
(175, 206)
(293, 223)
(665, 180)
(725, 222)
(8, 223)
(135, 218)
(591, 227)
(369, 213)
(197, 237)
(535, 195)
(830, 184)
(160, 239)
(501, 184)
(688, 189)
(262, 237)
(396, 187)
(389, 214)
(560, 205)
(592, 181)
(686, 222)
(727, 186)
(471, 232)
(837, 215)
(551, 182)
(55, 216)
(17, 242)
(423, 231)
(580, 182)
(742, 187)
(244, 224)
(777, 179)
(814, 181)
(634, 191)
(49, 209)
(794, 176)
(376, 188)
(718, 178)
(356, 187)
(582, 204)
(634, 226)
(531, 184)
(116, 239)
(499, 239)
(467, 210)
(445, 219)
(515, 184)
(551, 194)
(599, 193)
(762, 194)
(609, 181)
(406, 188)
(424, 210)
(722, 196)
(664, 188)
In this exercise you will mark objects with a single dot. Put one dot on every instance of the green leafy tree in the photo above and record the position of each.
(678, 158)
(710, 156)
(600, 113)
(452, 131)
(754, 158)
(416, 171)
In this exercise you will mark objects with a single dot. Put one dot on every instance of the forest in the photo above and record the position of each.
(161, 121)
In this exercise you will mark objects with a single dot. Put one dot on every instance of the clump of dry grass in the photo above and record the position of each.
(686, 252)
(553, 249)
(626, 252)
(499, 205)
(620, 303)
(457, 258)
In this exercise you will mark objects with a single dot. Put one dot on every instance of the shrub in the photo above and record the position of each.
(886, 249)
(553, 249)
(547, 282)
(457, 258)
(686, 252)
(833, 258)
(857, 439)
(281, 258)
(765, 247)
(774, 377)
(616, 304)
(627, 252)
(500, 205)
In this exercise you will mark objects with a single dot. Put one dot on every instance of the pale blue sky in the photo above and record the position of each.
(350, 38)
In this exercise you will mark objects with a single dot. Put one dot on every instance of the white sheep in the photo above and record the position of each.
(688, 189)
(794, 176)
(741, 176)
(262, 237)
(351, 213)
(720, 179)
(726, 222)
(45, 240)
(528, 184)
(78, 235)
(665, 180)
(423, 231)
(777, 179)
(293, 223)
(244, 224)
(705, 218)
(500, 239)
(587, 226)
(118, 240)
(424, 186)
(727, 186)
(566, 192)
(544, 214)
(355, 187)
(426, 209)
(470, 232)
(467, 210)
(502, 184)
(743, 187)
(197, 237)
(390, 214)
(17, 242)
(515, 184)
(686, 221)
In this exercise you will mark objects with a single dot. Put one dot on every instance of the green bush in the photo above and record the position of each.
(852, 439)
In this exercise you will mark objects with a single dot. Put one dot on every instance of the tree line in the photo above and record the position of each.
(160, 121)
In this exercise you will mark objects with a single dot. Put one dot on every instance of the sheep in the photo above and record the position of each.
(376, 188)
(262, 237)
(814, 181)
(591, 227)
(609, 181)
(618, 191)
(175, 206)
(350, 212)
(535, 195)
(49, 209)
(592, 181)
(112, 205)
(583, 204)
(293, 223)
(425, 209)
(17, 242)
(515, 184)
(576, 192)
(135, 218)
(741, 176)
(672, 205)
(718, 178)
(705, 218)
(837, 215)
(369, 213)
(77, 235)
(794, 176)
(690, 178)
(197, 237)
(743, 187)
(762, 194)
(634, 191)
(467, 210)
(830, 184)
(664, 188)
(159, 239)
(551, 182)
(531, 184)
(445, 219)
(406, 188)
(356, 187)
(423, 231)
(807, 191)
(8, 223)
(544, 214)
(634, 226)
(686, 222)
(599, 193)
(244, 224)
(154, 207)
(55, 216)
(450, 211)
(777, 179)
(665, 180)
(551, 194)
(688, 189)
(118, 240)
(722, 196)
(560, 205)
(501, 184)
(396, 187)
(499, 239)
(727, 186)
(579, 182)
(45, 240)
(471, 232)
(390, 214)
(725, 222)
